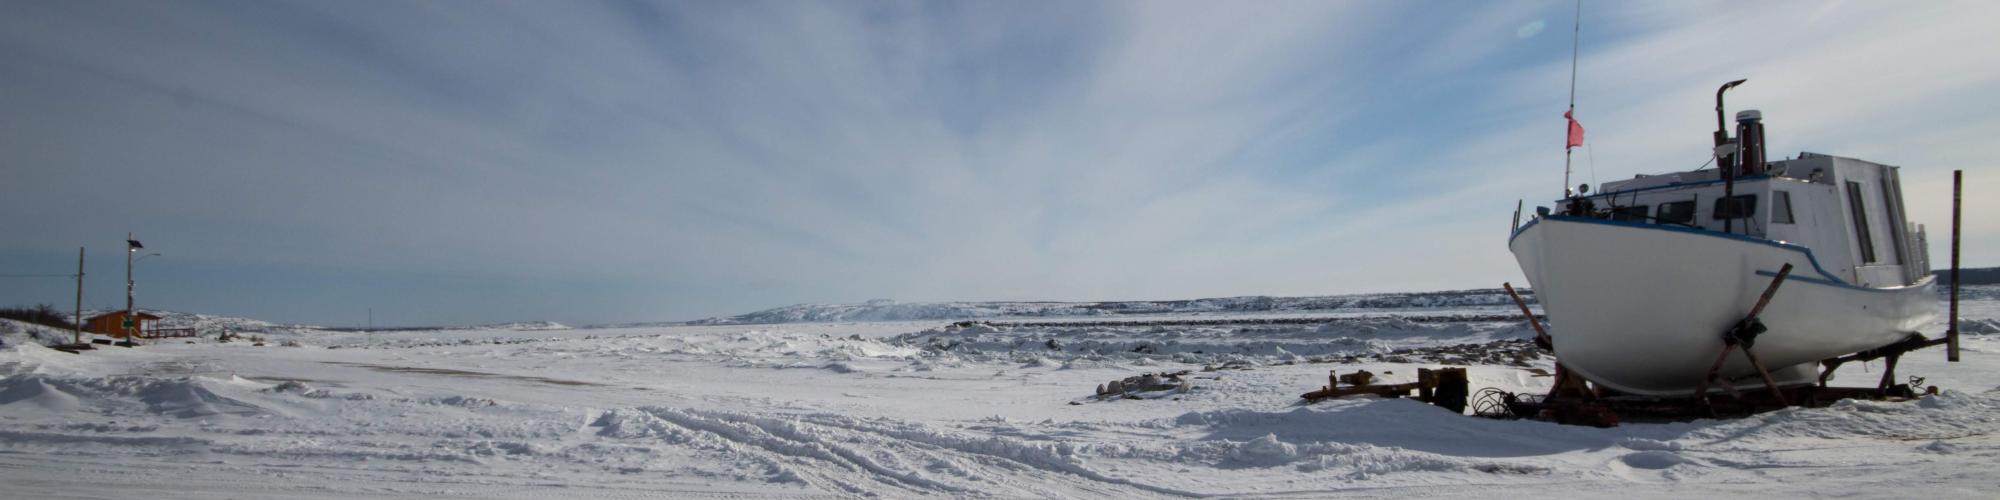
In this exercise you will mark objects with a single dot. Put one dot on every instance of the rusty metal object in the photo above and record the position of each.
(1892, 351)
(1494, 403)
(1743, 336)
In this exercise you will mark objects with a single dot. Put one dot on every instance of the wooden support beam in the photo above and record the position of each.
(1769, 383)
(1541, 336)
(1445, 387)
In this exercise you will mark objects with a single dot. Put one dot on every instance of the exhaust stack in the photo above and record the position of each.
(1750, 135)
(1726, 153)
(1721, 124)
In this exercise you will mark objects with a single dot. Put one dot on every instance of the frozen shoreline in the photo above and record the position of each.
(884, 409)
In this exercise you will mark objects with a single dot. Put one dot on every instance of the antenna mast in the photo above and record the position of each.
(1576, 44)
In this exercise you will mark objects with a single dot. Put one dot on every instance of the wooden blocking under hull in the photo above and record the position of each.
(1445, 387)
(1609, 411)
(1452, 387)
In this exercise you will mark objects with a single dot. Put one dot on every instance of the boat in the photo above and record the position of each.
(1641, 280)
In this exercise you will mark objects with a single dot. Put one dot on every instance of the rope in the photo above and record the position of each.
(1590, 154)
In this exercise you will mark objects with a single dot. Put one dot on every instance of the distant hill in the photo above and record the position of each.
(885, 310)
(210, 324)
(1978, 276)
(519, 326)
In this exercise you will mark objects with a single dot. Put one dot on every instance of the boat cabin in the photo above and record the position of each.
(1848, 213)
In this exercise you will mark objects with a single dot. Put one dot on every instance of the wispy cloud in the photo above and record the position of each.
(630, 160)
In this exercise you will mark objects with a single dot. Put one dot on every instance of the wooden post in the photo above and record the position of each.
(1951, 335)
(1452, 389)
(76, 327)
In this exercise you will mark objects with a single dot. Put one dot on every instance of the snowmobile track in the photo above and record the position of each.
(818, 449)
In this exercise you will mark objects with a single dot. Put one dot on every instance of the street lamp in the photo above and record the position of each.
(132, 247)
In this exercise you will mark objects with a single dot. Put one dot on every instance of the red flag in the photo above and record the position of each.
(1575, 131)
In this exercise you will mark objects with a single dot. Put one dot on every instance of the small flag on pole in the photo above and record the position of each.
(1575, 130)
(134, 244)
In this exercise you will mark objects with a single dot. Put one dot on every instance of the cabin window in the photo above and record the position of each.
(1781, 207)
(1735, 207)
(1633, 213)
(1676, 212)
(1895, 222)
(1860, 216)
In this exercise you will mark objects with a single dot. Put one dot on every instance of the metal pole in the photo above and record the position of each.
(1517, 219)
(1567, 191)
(130, 321)
(1729, 199)
(76, 327)
(1951, 335)
(1575, 48)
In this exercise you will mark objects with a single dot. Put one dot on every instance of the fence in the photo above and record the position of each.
(170, 333)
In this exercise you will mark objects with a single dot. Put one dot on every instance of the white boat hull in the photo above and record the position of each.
(1642, 308)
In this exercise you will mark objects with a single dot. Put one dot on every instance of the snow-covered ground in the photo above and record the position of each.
(925, 408)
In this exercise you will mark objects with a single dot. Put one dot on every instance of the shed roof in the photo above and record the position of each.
(142, 315)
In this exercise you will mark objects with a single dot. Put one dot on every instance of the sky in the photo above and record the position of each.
(599, 162)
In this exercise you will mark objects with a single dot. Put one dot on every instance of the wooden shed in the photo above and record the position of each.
(113, 324)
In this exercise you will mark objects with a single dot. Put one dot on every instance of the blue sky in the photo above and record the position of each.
(585, 162)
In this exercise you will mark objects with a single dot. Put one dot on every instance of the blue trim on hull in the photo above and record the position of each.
(1826, 278)
(1523, 228)
(1835, 284)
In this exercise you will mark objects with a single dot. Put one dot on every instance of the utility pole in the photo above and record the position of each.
(76, 327)
(371, 320)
